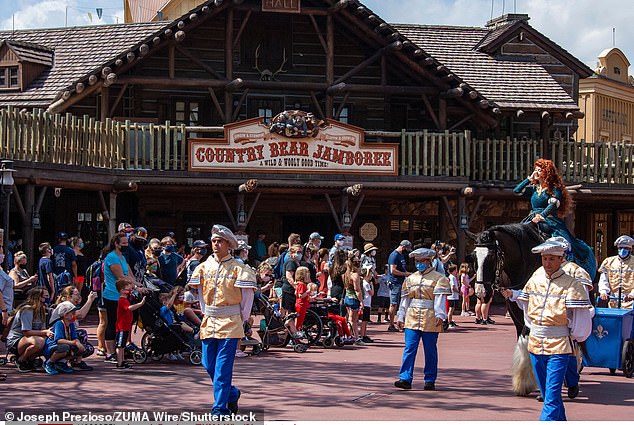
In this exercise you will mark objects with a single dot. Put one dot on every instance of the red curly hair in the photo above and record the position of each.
(553, 181)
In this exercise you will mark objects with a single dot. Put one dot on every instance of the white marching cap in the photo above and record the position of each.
(422, 253)
(243, 245)
(551, 247)
(222, 232)
(624, 241)
(562, 240)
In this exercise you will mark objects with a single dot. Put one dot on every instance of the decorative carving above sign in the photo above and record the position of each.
(285, 6)
(295, 124)
(252, 146)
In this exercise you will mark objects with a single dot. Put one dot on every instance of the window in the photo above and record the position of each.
(617, 70)
(9, 78)
(267, 113)
(344, 115)
(187, 113)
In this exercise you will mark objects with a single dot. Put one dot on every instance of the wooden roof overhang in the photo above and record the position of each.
(351, 13)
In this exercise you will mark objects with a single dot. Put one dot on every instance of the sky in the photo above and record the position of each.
(583, 27)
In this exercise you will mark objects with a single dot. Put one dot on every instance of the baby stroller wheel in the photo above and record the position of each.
(12, 358)
(329, 342)
(196, 357)
(257, 349)
(3, 362)
(139, 356)
(265, 347)
(300, 348)
(154, 356)
(339, 341)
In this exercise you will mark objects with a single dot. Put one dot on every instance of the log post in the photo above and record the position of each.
(112, 215)
(28, 234)
(460, 233)
(442, 113)
(229, 63)
(171, 58)
(330, 62)
(105, 103)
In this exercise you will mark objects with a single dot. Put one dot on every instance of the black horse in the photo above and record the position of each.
(503, 259)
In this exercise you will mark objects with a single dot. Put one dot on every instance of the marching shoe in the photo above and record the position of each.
(233, 405)
(573, 392)
(401, 383)
(429, 386)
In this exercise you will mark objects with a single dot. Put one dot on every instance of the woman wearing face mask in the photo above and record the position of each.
(115, 267)
(550, 204)
(169, 261)
(421, 313)
(152, 253)
(20, 275)
(288, 285)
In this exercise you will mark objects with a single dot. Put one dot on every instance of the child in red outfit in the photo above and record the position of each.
(124, 319)
(302, 294)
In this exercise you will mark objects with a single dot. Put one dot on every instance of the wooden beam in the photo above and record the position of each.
(240, 102)
(242, 27)
(460, 233)
(60, 106)
(392, 90)
(318, 31)
(356, 208)
(28, 233)
(476, 208)
(171, 57)
(397, 45)
(330, 62)
(431, 111)
(229, 62)
(198, 62)
(214, 98)
(341, 4)
(105, 103)
(176, 82)
(18, 203)
(228, 209)
(341, 106)
(118, 99)
(255, 202)
(317, 105)
(335, 216)
(442, 113)
(465, 119)
(450, 213)
(112, 215)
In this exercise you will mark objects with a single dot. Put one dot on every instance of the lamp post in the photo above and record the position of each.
(6, 175)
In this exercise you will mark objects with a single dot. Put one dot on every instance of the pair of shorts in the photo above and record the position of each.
(488, 294)
(366, 314)
(395, 294)
(100, 304)
(288, 301)
(352, 303)
(454, 303)
(49, 350)
(122, 339)
(382, 302)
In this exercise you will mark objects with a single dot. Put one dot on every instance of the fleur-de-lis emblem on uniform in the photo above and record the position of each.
(600, 332)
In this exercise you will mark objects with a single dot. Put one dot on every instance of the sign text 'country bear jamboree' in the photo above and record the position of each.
(294, 143)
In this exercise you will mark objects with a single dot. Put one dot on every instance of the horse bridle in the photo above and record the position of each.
(499, 262)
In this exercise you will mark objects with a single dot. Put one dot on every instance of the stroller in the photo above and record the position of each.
(335, 331)
(160, 339)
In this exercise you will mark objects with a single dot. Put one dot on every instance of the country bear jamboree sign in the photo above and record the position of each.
(252, 146)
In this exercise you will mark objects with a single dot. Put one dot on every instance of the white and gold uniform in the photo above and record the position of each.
(421, 316)
(617, 273)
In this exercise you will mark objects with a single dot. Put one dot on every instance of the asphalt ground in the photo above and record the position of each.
(341, 384)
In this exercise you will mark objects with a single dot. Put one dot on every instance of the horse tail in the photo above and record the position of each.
(524, 381)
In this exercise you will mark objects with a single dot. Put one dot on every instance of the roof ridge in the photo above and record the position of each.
(81, 27)
(457, 27)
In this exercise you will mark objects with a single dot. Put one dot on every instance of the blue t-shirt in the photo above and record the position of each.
(397, 259)
(60, 333)
(137, 262)
(44, 268)
(110, 291)
(169, 265)
(63, 257)
(167, 315)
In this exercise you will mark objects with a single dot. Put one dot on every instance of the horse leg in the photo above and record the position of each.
(524, 381)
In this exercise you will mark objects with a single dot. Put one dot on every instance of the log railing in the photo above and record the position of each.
(38, 136)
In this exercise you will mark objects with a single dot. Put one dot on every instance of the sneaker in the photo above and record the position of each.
(464, 313)
(82, 366)
(25, 366)
(471, 313)
(489, 321)
(124, 367)
(100, 352)
(429, 386)
(453, 324)
(241, 354)
(401, 383)
(479, 322)
(367, 339)
(392, 329)
(233, 405)
(50, 368)
(359, 342)
(171, 357)
(63, 367)
(110, 358)
(483, 322)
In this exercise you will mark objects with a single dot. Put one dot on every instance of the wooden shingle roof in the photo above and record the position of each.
(508, 82)
(79, 51)
(30, 52)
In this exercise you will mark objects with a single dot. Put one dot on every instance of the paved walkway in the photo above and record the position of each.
(351, 383)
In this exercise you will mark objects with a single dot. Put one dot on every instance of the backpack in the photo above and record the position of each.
(94, 275)
(278, 270)
(63, 280)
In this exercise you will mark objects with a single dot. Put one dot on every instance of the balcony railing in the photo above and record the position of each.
(83, 141)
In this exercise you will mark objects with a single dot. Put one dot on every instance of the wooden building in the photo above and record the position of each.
(465, 110)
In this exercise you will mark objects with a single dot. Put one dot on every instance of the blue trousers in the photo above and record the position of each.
(572, 372)
(550, 371)
(412, 338)
(218, 357)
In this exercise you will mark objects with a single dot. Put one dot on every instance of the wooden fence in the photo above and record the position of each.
(82, 141)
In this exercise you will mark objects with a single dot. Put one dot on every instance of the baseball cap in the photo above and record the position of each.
(315, 235)
(124, 226)
(62, 236)
(141, 233)
(407, 244)
(243, 245)
(199, 244)
(61, 309)
(339, 237)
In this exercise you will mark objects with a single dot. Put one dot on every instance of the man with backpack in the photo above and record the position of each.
(135, 254)
(64, 263)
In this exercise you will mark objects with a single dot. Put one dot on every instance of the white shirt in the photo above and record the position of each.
(367, 298)
(455, 290)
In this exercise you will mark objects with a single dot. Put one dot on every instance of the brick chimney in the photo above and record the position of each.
(508, 19)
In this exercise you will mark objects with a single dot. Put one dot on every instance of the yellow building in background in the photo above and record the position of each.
(607, 100)
(157, 10)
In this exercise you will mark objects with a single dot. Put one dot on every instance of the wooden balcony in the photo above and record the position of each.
(82, 141)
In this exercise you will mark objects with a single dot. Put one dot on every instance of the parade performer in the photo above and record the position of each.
(557, 309)
(550, 203)
(617, 275)
(227, 287)
(421, 313)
